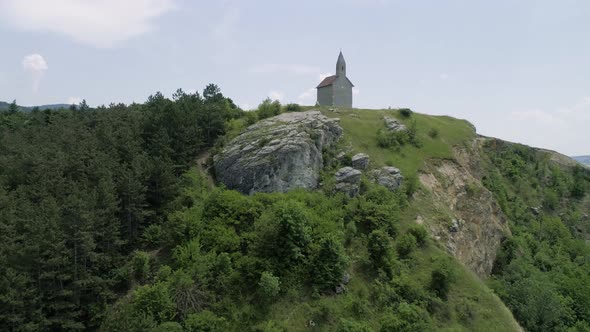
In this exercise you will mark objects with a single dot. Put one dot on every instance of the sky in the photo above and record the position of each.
(517, 70)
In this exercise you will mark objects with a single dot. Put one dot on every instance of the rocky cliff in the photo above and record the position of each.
(277, 154)
(470, 222)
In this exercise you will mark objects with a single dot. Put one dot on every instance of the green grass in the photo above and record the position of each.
(360, 134)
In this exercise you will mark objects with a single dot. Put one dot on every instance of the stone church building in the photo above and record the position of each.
(336, 90)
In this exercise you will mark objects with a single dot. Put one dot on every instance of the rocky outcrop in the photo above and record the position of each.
(360, 161)
(348, 181)
(470, 223)
(393, 124)
(277, 154)
(389, 177)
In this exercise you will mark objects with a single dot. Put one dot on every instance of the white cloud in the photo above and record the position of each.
(322, 76)
(294, 69)
(35, 65)
(104, 23)
(276, 95)
(563, 129)
(74, 101)
(308, 97)
(444, 76)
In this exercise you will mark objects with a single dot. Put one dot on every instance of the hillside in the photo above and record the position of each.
(472, 234)
(5, 106)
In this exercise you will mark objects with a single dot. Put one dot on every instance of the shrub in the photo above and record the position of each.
(379, 247)
(269, 285)
(205, 321)
(141, 265)
(251, 118)
(329, 264)
(405, 112)
(433, 133)
(293, 108)
(406, 244)
(155, 301)
(420, 233)
(391, 139)
(441, 278)
(347, 325)
(407, 318)
(268, 108)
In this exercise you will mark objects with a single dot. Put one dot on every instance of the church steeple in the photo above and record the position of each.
(341, 66)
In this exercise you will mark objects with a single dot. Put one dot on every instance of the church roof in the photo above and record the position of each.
(329, 81)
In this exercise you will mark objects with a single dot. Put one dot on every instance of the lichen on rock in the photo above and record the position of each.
(277, 154)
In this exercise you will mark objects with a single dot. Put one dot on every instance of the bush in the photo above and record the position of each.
(379, 247)
(353, 326)
(268, 108)
(391, 139)
(205, 321)
(329, 264)
(141, 265)
(441, 278)
(251, 118)
(405, 112)
(407, 318)
(293, 108)
(420, 233)
(269, 285)
(433, 133)
(406, 244)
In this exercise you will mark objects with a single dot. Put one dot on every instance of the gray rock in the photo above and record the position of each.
(348, 175)
(536, 210)
(393, 124)
(277, 154)
(346, 278)
(454, 228)
(340, 289)
(360, 161)
(348, 181)
(389, 177)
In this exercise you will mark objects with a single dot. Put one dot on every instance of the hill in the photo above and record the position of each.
(5, 106)
(583, 159)
(108, 224)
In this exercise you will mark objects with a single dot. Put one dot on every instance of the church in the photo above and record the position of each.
(336, 90)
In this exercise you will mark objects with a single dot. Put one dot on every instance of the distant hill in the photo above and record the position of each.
(583, 159)
(4, 106)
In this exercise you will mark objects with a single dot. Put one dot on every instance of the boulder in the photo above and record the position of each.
(348, 181)
(394, 124)
(277, 154)
(360, 161)
(389, 177)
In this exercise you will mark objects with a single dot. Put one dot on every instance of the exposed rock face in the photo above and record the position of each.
(277, 154)
(348, 181)
(389, 177)
(476, 224)
(360, 161)
(393, 124)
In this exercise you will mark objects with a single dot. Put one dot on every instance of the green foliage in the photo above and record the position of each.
(353, 326)
(405, 112)
(293, 108)
(380, 251)
(269, 285)
(441, 278)
(141, 265)
(205, 321)
(408, 318)
(329, 264)
(406, 244)
(268, 108)
(433, 133)
(154, 301)
(420, 234)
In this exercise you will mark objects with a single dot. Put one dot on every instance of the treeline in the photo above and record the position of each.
(542, 271)
(78, 187)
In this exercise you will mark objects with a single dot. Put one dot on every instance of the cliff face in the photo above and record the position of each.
(468, 220)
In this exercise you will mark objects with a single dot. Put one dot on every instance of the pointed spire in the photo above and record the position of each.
(341, 65)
